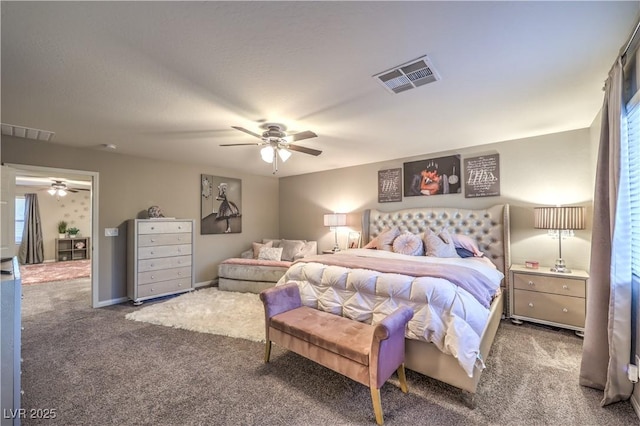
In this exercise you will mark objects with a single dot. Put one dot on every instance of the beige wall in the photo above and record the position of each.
(129, 185)
(546, 170)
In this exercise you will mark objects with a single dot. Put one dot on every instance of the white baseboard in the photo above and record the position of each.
(635, 402)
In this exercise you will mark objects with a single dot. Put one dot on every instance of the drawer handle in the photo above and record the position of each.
(153, 277)
(153, 289)
(179, 227)
(151, 252)
(530, 283)
(531, 304)
(153, 240)
(565, 310)
(152, 228)
(152, 265)
(179, 273)
(565, 287)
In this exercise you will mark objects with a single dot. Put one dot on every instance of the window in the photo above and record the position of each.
(633, 140)
(19, 215)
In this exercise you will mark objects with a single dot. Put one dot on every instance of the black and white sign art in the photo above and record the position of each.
(482, 176)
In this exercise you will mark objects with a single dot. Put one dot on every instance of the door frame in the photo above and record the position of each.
(95, 235)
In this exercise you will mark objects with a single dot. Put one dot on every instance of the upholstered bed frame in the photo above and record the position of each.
(490, 228)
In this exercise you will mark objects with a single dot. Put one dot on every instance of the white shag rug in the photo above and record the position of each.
(209, 310)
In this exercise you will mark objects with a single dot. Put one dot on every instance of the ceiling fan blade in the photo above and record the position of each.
(249, 132)
(303, 149)
(240, 144)
(307, 134)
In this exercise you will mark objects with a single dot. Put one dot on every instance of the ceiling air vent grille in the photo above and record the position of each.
(408, 75)
(26, 132)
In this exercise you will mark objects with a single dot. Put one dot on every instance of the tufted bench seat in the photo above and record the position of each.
(365, 353)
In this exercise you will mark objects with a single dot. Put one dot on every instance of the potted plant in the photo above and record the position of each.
(62, 229)
(73, 232)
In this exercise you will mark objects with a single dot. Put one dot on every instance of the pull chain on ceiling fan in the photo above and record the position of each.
(276, 143)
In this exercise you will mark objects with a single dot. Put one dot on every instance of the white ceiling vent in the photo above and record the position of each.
(408, 75)
(26, 132)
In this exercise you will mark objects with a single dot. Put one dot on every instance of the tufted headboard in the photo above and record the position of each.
(490, 227)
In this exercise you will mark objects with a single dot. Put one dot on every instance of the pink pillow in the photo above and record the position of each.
(258, 246)
(436, 247)
(384, 241)
(409, 244)
(466, 242)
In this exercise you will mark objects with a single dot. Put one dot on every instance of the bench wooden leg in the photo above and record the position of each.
(267, 351)
(377, 405)
(403, 379)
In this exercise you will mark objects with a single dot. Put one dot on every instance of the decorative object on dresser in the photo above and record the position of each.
(559, 219)
(334, 220)
(77, 248)
(159, 258)
(547, 297)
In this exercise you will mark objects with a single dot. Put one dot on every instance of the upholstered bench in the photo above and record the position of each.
(365, 353)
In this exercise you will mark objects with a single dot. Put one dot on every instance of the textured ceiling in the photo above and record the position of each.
(167, 80)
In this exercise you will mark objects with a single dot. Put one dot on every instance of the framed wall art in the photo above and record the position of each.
(389, 185)
(353, 241)
(435, 176)
(220, 205)
(482, 176)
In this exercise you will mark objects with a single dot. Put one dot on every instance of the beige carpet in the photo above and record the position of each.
(209, 310)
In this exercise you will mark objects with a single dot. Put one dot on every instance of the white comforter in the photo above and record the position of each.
(444, 313)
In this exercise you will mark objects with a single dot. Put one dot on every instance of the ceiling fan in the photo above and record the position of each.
(60, 188)
(276, 143)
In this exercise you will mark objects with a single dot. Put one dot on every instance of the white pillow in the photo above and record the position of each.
(434, 246)
(270, 253)
(291, 248)
(409, 244)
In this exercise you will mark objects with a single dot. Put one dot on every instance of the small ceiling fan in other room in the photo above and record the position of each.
(276, 143)
(60, 188)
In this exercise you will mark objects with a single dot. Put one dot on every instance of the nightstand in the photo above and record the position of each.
(545, 297)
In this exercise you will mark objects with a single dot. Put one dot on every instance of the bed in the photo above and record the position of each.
(458, 302)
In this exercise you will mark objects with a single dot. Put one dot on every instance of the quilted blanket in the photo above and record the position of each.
(445, 313)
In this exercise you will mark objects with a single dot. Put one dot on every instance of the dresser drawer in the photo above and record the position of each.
(164, 251)
(163, 263)
(554, 285)
(161, 227)
(163, 275)
(163, 287)
(550, 307)
(151, 240)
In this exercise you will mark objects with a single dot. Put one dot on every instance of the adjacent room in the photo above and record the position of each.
(310, 213)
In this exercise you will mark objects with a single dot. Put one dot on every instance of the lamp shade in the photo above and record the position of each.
(335, 219)
(559, 218)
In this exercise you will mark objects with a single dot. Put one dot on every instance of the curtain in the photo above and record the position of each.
(31, 249)
(607, 338)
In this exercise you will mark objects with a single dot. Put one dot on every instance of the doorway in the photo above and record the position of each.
(77, 205)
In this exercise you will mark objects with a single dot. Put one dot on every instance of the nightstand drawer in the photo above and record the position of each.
(550, 307)
(554, 285)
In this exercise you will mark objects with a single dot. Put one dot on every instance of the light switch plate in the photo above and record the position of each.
(110, 232)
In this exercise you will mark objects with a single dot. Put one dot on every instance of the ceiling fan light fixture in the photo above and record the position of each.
(62, 192)
(284, 154)
(267, 154)
(52, 191)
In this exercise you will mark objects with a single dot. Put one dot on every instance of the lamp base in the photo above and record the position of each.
(335, 249)
(561, 267)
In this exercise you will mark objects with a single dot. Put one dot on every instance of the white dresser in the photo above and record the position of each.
(11, 332)
(160, 258)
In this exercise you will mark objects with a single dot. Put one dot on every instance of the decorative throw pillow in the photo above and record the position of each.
(385, 239)
(258, 246)
(290, 248)
(373, 244)
(270, 253)
(409, 244)
(466, 242)
(463, 252)
(310, 248)
(435, 246)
